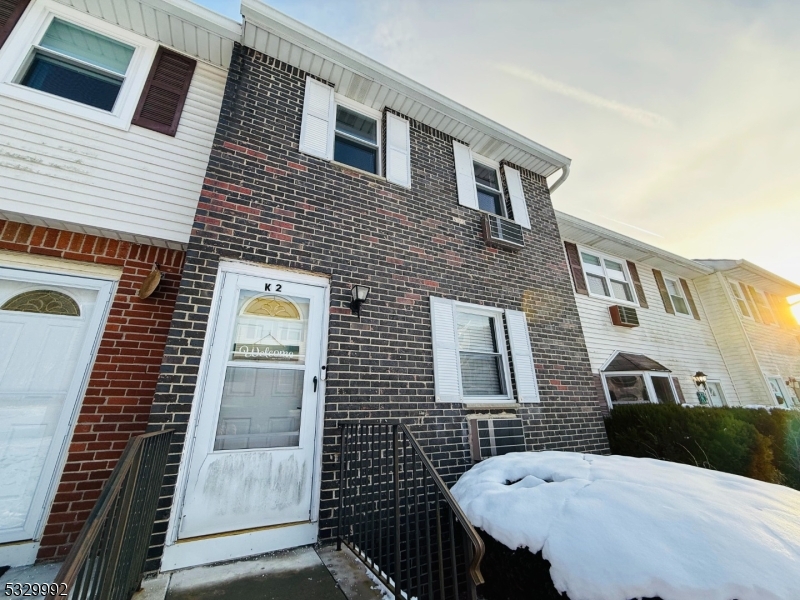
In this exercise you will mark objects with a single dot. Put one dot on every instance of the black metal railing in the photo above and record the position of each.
(399, 518)
(107, 560)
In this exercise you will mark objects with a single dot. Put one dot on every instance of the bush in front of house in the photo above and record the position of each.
(759, 444)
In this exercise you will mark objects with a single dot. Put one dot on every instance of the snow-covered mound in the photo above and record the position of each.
(615, 527)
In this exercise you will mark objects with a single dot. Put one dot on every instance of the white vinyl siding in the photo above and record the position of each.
(398, 150)
(684, 346)
(316, 136)
(67, 171)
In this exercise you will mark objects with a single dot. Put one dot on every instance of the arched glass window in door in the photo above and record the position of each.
(47, 302)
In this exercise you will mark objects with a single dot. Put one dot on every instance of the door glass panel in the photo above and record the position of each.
(627, 389)
(262, 396)
(663, 390)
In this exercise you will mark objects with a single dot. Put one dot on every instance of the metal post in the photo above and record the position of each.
(341, 488)
(397, 589)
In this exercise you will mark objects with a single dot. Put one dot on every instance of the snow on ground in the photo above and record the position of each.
(616, 527)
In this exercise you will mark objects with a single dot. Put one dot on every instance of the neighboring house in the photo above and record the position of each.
(107, 115)
(646, 329)
(331, 174)
(758, 335)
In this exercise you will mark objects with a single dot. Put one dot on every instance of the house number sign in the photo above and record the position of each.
(268, 287)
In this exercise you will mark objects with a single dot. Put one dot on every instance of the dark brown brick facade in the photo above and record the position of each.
(265, 202)
(120, 391)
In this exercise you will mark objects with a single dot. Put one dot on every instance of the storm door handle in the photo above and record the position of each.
(315, 382)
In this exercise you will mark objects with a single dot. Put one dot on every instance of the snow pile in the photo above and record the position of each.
(615, 527)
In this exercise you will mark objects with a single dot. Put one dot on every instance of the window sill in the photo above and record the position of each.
(346, 167)
(613, 300)
(490, 405)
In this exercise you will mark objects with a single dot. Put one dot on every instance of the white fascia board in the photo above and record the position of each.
(769, 280)
(266, 17)
(684, 264)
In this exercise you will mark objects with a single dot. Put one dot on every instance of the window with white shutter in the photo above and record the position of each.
(465, 176)
(316, 136)
(470, 362)
(517, 197)
(398, 150)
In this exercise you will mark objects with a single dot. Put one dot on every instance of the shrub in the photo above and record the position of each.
(760, 444)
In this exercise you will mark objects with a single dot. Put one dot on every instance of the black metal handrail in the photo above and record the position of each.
(400, 519)
(107, 560)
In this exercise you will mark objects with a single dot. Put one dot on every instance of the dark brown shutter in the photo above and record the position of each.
(662, 289)
(10, 12)
(575, 268)
(750, 302)
(637, 284)
(681, 399)
(689, 298)
(164, 93)
(782, 310)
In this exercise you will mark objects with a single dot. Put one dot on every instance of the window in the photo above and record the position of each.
(763, 307)
(490, 194)
(607, 277)
(676, 296)
(639, 387)
(739, 297)
(479, 354)
(356, 140)
(79, 65)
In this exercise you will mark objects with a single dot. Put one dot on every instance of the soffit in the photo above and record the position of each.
(625, 361)
(179, 24)
(367, 82)
(605, 240)
(747, 272)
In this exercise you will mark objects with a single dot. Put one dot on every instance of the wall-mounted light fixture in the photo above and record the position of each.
(358, 295)
(700, 379)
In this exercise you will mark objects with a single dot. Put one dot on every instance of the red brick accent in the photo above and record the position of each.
(117, 402)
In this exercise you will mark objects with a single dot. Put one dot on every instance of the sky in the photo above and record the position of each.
(682, 118)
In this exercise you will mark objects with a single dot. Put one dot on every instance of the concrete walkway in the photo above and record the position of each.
(291, 575)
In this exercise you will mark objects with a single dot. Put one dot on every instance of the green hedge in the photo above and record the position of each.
(760, 444)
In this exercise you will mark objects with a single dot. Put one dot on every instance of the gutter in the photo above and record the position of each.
(560, 180)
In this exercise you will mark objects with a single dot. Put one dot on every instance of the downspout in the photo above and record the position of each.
(560, 180)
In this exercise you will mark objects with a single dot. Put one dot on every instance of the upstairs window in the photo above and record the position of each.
(740, 299)
(490, 194)
(764, 309)
(676, 296)
(78, 64)
(607, 277)
(356, 140)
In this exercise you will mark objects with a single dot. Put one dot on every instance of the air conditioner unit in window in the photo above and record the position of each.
(500, 232)
(624, 316)
(494, 437)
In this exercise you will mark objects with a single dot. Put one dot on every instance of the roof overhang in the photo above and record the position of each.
(368, 82)
(179, 24)
(582, 232)
(758, 277)
(627, 361)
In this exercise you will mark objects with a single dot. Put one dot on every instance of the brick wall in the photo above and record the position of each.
(264, 202)
(123, 380)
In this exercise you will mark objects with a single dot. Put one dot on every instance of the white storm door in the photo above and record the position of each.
(252, 463)
(776, 385)
(49, 326)
(715, 395)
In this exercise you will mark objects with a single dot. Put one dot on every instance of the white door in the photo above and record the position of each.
(49, 325)
(252, 462)
(781, 397)
(715, 395)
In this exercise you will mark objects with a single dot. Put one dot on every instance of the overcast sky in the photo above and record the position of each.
(682, 119)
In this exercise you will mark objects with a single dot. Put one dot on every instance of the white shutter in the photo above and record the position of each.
(522, 356)
(445, 351)
(465, 176)
(316, 138)
(518, 205)
(398, 150)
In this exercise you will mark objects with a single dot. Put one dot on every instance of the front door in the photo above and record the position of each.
(252, 463)
(49, 326)
(781, 398)
(715, 395)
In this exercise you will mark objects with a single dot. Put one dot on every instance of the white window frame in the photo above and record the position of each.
(499, 328)
(648, 383)
(677, 281)
(603, 256)
(733, 287)
(490, 164)
(767, 305)
(366, 111)
(17, 53)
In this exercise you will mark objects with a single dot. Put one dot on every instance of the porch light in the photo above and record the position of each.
(699, 378)
(358, 295)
